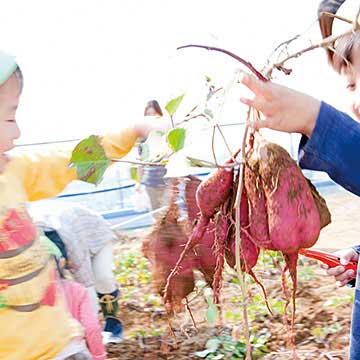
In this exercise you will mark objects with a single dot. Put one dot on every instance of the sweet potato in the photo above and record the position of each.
(210, 194)
(258, 217)
(192, 208)
(249, 252)
(221, 236)
(214, 191)
(293, 218)
(162, 247)
(286, 211)
(205, 254)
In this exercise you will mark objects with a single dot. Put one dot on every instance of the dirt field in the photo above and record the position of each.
(322, 316)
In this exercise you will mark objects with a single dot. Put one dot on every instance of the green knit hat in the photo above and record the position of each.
(7, 66)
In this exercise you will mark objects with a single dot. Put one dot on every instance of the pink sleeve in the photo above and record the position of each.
(86, 316)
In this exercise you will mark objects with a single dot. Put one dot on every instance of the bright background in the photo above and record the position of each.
(91, 65)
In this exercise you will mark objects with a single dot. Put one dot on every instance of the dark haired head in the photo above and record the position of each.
(153, 108)
(338, 53)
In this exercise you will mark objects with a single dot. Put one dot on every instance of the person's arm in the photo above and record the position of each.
(46, 174)
(334, 147)
(332, 138)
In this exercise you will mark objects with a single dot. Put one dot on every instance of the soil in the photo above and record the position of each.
(321, 329)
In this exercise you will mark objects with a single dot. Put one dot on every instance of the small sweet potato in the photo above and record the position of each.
(162, 247)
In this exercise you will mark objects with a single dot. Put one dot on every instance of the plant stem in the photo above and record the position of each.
(355, 22)
(223, 136)
(213, 165)
(136, 162)
(239, 272)
(326, 42)
(336, 17)
(238, 58)
(213, 145)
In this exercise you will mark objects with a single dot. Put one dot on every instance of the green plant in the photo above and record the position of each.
(320, 333)
(339, 300)
(225, 347)
(132, 271)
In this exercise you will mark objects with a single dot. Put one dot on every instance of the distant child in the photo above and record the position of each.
(80, 307)
(85, 239)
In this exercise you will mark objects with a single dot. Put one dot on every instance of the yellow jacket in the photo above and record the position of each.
(34, 321)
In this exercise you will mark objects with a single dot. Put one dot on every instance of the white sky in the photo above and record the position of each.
(91, 65)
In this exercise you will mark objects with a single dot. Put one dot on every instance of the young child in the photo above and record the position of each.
(79, 304)
(33, 318)
(85, 239)
(331, 139)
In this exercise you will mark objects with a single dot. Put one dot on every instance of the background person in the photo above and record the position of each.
(85, 239)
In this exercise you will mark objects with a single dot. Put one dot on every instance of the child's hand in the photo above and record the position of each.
(342, 277)
(284, 109)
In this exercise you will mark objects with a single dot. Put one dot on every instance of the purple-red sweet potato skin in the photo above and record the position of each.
(205, 253)
(249, 252)
(191, 185)
(162, 247)
(214, 191)
(258, 218)
(293, 218)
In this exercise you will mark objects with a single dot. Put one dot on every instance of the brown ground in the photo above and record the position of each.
(323, 311)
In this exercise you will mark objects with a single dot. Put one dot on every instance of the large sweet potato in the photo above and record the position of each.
(293, 218)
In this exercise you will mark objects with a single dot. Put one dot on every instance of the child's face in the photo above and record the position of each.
(351, 73)
(9, 131)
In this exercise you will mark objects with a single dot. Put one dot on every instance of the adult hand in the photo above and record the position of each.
(341, 275)
(284, 109)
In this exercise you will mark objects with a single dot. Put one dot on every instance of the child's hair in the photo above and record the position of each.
(20, 77)
(338, 53)
(153, 104)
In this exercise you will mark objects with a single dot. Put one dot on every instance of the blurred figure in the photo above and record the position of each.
(152, 177)
(79, 305)
(85, 239)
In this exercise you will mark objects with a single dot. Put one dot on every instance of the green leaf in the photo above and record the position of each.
(90, 160)
(134, 174)
(207, 78)
(218, 357)
(173, 104)
(212, 311)
(213, 344)
(176, 139)
(204, 353)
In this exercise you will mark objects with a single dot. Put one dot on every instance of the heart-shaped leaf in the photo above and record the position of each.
(176, 139)
(90, 160)
(173, 104)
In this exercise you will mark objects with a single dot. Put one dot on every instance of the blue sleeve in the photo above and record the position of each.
(334, 147)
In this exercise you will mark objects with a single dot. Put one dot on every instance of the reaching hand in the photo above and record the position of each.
(284, 109)
(341, 276)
